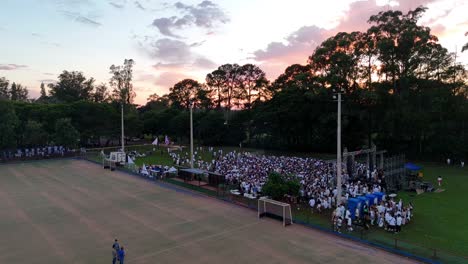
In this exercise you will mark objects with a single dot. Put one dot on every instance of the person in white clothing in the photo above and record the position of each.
(381, 221)
(349, 224)
(399, 222)
(325, 204)
(347, 214)
(312, 204)
(391, 223)
(339, 222)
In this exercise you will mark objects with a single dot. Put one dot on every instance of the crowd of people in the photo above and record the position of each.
(155, 171)
(35, 153)
(249, 172)
(387, 214)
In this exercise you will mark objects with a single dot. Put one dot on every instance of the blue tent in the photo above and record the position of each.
(412, 167)
(379, 196)
(372, 199)
(353, 203)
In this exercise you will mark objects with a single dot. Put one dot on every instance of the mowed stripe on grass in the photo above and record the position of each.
(69, 211)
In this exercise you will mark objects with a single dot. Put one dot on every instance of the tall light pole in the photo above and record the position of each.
(191, 135)
(122, 123)
(339, 167)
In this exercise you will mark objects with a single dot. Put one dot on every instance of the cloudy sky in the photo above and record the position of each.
(172, 40)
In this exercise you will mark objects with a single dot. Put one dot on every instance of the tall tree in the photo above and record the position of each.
(216, 81)
(203, 98)
(72, 86)
(296, 76)
(43, 91)
(155, 102)
(4, 88)
(153, 97)
(121, 80)
(100, 94)
(231, 86)
(252, 82)
(336, 61)
(183, 93)
(402, 44)
(18, 92)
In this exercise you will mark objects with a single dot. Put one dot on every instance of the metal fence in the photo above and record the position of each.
(303, 215)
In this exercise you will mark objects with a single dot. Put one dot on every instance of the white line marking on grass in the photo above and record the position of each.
(193, 241)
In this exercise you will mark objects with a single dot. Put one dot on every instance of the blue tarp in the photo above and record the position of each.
(412, 167)
(379, 196)
(353, 203)
(372, 199)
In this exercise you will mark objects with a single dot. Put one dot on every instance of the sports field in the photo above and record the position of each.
(70, 211)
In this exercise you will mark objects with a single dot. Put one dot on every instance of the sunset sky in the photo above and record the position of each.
(172, 40)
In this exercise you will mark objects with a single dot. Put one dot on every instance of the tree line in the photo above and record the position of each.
(402, 91)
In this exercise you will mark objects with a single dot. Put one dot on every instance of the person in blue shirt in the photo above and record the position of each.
(121, 255)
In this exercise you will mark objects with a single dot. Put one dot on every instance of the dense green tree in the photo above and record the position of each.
(4, 89)
(155, 102)
(18, 92)
(183, 93)
(210, 128)
(71, 87)
(336, 61)
(65, 133)
(8, 124)
(34, 134)
(153, 97)
(277, 186)
(296, 76)
(100, 94)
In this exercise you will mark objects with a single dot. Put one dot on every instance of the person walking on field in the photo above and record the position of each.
(439, 180)
(114, 256)
(115, 251)
(121, 255)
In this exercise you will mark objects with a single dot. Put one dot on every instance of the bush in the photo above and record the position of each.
(276, 186)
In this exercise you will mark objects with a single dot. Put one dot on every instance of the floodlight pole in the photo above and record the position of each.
(338, 151)
(122, 124)
(191, 135)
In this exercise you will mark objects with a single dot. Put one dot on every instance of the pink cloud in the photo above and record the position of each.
(300, 44)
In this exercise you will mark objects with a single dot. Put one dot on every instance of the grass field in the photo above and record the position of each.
(440, 218)
(69, 211)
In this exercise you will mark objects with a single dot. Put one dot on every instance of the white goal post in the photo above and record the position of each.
(108, 164)
(275, 209)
